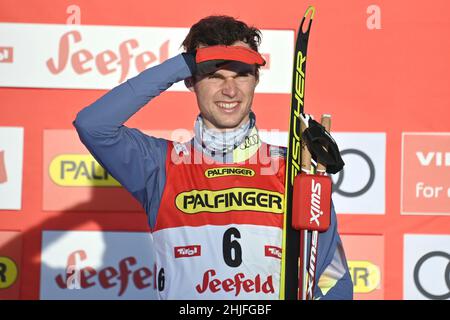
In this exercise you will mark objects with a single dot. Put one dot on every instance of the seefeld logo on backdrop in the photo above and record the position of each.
(99, 265)
(363, 177)
(101, 57)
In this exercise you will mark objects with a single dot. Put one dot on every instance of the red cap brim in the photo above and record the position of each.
(234, 53)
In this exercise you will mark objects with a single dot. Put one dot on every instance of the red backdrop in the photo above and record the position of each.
(392, 78)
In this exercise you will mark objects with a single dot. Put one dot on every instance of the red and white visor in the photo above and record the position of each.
(234, 53)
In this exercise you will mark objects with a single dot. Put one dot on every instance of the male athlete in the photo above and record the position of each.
(215, 203)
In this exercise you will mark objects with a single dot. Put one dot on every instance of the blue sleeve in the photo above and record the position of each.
(333, 281)
(134, 159)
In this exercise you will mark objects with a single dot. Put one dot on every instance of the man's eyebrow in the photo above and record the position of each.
(238, 73)
(245, 72)
(215, 74)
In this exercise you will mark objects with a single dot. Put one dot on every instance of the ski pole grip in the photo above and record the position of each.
(305, 154)
(311, 207)
(326, 123)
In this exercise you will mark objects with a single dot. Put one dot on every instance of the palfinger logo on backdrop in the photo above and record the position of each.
(6, 54)
(79, 170)
(8, 272)
(366, 276)
(365, 259)
(75, 181)
(100, 57)
(426, 269)
(11, 250)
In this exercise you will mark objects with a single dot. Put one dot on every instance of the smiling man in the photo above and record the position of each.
(225, 96)
(215, 203)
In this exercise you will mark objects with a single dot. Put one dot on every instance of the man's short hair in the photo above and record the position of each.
(221, 30)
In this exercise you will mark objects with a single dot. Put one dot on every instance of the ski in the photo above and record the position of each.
(289, 285)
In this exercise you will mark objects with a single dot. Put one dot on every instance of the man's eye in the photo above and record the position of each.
(245, 75)
(213, 76)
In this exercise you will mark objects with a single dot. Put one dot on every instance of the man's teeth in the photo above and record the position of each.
(227, 105)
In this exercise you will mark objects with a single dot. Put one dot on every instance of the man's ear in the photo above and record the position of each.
(189, 83)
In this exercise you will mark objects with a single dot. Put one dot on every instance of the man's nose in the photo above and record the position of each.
(229, 87)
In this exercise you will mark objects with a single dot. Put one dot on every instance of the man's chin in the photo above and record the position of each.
(228, 125)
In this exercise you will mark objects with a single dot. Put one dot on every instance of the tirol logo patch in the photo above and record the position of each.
(187, 251)
(272, 251)
(233, 199)
(229, 171)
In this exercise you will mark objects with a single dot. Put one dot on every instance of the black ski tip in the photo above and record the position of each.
(309, 15)
(312, 10)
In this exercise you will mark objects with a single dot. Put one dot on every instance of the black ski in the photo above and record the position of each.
(289, 286)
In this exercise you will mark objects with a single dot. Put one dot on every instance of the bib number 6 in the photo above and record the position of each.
(232, 251)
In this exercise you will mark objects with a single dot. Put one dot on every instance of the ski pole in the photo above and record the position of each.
(311, 212)
(320, 170)
(305, 169)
